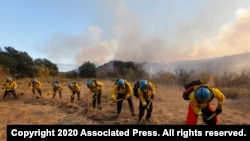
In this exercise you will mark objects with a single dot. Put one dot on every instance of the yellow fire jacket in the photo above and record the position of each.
(35, 85)
(75, 88)
(97, 88)
(143, 96)
(57, 88)
(9, 86)
(127, 90)
(198, 106)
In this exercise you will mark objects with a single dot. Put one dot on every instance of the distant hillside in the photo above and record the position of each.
(233, 63)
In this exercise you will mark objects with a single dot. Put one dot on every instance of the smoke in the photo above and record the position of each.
(156, 37)
(232, 38)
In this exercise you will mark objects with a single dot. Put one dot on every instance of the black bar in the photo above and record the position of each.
(54, 132)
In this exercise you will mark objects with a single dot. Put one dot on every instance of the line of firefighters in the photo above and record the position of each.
(200, 97)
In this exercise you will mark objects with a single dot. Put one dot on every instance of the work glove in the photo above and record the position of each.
(113, 99)
(152, 96)
(199, 113)
(94, 95)
(185, 97)
(218, 109)
(206, 120)
(144, 104)
(126, 96)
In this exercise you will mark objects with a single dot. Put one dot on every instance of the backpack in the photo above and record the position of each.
(135, 88)
(189, 88)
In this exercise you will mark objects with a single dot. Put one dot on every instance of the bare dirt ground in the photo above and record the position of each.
(169, 108)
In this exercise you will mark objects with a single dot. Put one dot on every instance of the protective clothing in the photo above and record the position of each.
(144, 84)
(95, 88)
(8, 79)
(149, 93)
(89, 83)
(120, 82)
(126, 96)
(122, 90)
(56, 87)
(199, 113)
(34, 84)
(146, 93)
(144, 104)
(113, 97)
(203, 94)
(9, 87)
(196, 106)
(70, 85)
(34, 80)
(74, 88)
(218, 109)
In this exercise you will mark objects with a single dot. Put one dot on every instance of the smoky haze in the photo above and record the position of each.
(129, 38)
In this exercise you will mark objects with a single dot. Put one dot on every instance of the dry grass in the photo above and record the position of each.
(169, 107)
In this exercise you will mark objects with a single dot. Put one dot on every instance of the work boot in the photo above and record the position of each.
(4, 96)
(72, 98)
(100, 107)
(54, 95)
(117, 116)
(15, 96)
(148, 120)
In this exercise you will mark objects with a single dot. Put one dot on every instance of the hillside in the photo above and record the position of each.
(233, 63)
(169, 108)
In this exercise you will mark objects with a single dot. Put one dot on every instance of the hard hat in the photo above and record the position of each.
(8, 79)
(34, 80)
(120, 82)
(203, 94)
(144, 84)
(70, 85)
(89, 83)
(55, 85)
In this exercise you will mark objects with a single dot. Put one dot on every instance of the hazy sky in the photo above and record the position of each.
(159, 31)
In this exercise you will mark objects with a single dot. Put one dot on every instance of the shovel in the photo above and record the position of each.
(210, 117)
(144, 113)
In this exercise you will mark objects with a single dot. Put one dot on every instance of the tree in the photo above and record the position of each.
(47, 66)
(183, 76)
(119, 69)
(8, 63)
(24, 63)
(87, 70)
(129, 70)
